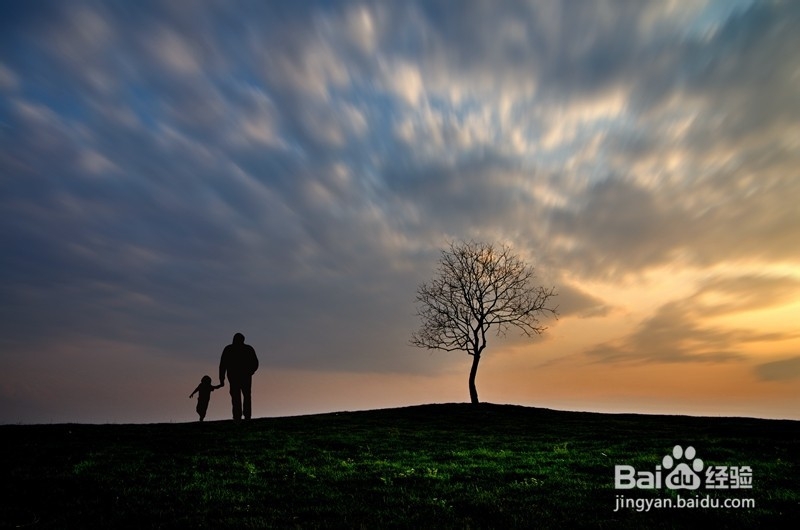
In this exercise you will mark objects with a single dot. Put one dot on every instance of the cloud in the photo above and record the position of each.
(618, 226)
(171, 173)
(725, 295)
(9, 81)
(404, 80)
(574, 301)
(95, 163)
(254, 120)
(782, 370)
(679, 331)
(173, 52)
(705, 154)
(298, 81)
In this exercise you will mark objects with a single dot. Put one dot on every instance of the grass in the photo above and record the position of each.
(432, 466)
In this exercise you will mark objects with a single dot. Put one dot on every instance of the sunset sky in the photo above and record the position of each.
(174, 172)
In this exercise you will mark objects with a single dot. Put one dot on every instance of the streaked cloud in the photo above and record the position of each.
(681, 330)
(783, 370)
(171, 173)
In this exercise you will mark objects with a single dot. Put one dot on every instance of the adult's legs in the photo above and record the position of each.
(246, 384)
(236, 399)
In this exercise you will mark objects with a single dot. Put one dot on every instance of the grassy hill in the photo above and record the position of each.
(432, 466)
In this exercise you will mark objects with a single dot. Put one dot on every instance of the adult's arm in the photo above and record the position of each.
(222, 368)
(255, 360)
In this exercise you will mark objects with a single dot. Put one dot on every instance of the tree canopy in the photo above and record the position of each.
(479, 287)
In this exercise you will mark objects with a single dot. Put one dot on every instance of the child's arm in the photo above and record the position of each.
(216, 387)
(194, 392)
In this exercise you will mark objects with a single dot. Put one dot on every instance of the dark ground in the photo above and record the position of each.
(432, 466)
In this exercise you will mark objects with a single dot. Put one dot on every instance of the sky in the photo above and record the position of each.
(174, 172)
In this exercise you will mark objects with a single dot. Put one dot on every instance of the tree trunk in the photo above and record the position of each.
(473, 392)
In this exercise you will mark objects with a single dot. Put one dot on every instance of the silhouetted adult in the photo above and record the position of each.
(239, 361)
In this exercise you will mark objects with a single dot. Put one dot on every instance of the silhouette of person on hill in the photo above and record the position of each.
(203, 392)
(239, 361)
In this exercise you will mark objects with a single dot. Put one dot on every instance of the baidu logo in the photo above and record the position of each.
(682, 467)
(683, 476)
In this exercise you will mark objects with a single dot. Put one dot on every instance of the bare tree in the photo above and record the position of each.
(478, 287)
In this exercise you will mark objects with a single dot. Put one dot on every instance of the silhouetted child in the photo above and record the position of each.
(203, 392)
